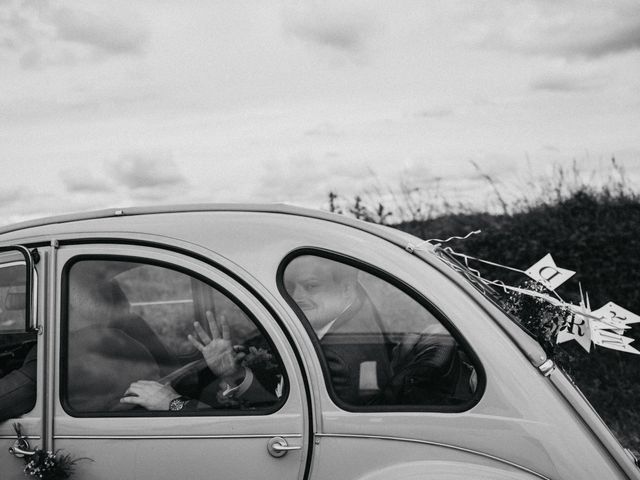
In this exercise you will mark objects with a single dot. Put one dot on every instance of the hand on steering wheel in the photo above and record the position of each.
(149, 394)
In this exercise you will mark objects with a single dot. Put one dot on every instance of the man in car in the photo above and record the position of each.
(365, 366)
(346, 324)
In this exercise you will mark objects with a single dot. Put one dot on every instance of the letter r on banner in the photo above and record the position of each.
(548, 273)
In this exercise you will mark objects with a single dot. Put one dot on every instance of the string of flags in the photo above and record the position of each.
(604, 327)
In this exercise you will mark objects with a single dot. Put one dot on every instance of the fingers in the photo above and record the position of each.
(133, 394)
(225, 328)
(195, 342)
(203, 335)
(143, 386)
(133, 390)
(213, 326)
(132, 400)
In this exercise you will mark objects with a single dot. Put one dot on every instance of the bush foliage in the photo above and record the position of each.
(593, 232)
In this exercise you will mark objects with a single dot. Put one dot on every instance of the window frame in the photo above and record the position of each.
(142, 413)
(408, 290)
(30, 258)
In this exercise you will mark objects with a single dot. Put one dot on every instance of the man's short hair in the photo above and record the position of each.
(341, 273)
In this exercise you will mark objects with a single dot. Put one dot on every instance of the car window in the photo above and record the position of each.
(378, 345)
(18, 353)
(140, 332)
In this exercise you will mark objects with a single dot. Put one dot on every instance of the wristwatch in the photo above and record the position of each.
(177, 404)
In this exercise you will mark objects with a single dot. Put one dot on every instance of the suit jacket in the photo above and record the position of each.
(102, 363)
(357, 354)
(18, 388)
(366, 367)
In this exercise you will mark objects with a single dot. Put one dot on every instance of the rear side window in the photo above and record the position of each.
(13, 296)
(139, 336)
(18, 352)
(380, 347)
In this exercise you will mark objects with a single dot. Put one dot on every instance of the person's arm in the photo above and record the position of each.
(18, 388)
(249, 391)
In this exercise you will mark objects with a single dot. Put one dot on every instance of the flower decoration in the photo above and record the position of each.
(47, 465)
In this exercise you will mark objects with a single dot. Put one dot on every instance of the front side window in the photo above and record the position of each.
(379, 346)
(144, 337)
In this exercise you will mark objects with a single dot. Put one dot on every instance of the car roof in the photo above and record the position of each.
(42, 226)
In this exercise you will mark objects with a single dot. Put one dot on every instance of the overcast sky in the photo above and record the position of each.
(118, 103)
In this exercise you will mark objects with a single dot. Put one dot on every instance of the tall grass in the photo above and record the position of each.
(410, 203)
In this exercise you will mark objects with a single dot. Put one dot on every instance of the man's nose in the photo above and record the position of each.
(298, 293)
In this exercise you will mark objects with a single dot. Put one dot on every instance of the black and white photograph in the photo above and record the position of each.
(318, 240)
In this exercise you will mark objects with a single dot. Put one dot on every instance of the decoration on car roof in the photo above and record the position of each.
(540, 307)
(547, 273)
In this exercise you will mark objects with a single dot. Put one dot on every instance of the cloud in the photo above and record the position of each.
(434, 113)
(42, 34)
(104, 31)
(146, 172)
(309, 179)
(85, 181)
(340, 26)
(13, 195)
(568, 29)
(324, 130)
(567, 82)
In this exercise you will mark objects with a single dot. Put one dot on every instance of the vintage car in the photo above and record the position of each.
(273, 342)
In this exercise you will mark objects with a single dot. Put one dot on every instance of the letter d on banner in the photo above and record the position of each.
(546, 272)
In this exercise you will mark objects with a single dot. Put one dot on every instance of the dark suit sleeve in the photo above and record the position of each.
(18, 388)
(259, 394)
(427, 369)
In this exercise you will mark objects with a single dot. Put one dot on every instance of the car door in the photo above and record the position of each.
(123, 319)
(21, 354)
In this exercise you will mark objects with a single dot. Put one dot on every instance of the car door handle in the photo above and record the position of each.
(278, 447)
(20, 449)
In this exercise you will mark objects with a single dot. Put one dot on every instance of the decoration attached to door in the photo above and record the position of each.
(46, 465)
(541, 309)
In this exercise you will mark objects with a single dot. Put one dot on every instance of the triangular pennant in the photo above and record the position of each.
(607, 339)
(599, 325)
(576, 327)
(616, 316)
(548, 273)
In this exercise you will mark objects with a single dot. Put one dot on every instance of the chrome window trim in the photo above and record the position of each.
(172, 437)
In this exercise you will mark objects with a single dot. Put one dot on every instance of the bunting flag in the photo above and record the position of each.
(608, 330)
(616, 317)
(604, 327)
(546, 272)
(578, 325)
(607, 339)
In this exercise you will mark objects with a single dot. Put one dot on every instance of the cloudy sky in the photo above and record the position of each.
(120, 103)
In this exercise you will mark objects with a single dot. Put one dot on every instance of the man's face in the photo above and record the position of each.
(312, 286)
